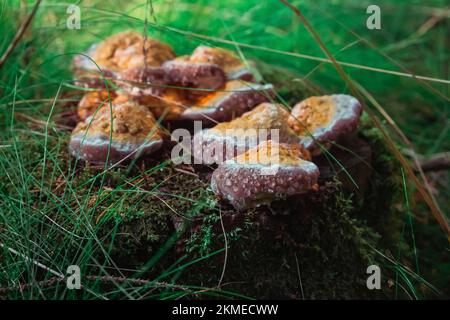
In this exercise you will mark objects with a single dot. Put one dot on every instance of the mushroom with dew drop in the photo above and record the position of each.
(227, 139)
(265, 173)
(115, 134)
(234, 67)
(120, 52)
(320, 121)
(236, 98)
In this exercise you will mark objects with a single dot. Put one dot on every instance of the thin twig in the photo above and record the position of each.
(226, 250)
(299, 276)
(28, 259)
(19, 34)
(435, 162)
(440, 161)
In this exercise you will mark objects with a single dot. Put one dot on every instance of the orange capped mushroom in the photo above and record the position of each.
(120, 52)
(235, 99)
(91, 101)
(197, 78)
(319, 121)
(148, 86)
(125, 131)
(227, 139)
(265, 173)
(226, 59)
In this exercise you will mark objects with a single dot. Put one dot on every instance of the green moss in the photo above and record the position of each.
(385, 188)
(332, 250)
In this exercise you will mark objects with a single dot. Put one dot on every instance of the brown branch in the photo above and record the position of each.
(437, 162)
(19, 34)
(434, 162)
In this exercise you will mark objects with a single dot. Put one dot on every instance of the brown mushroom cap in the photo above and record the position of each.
(235, 99)
(265, 173)
(321, 120)
(170, 105)
(226, 59)
(198, 78)
(143, 81)
(125, 50)
(93, 100)
(149, 87)
(120, 52)
(134, 133)
(88, 74)
(228, 139)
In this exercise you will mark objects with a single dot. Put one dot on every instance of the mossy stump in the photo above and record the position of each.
(312, 246)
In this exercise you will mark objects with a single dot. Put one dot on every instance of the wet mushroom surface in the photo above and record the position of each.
(117, 133)
(264, 173)
(150, 87)
(227, 139)
(120, 52)
(233, 66)
(322, 120)
(143, 82)
(91, 101)
(199, 78)
(125, 50)
(236, 98)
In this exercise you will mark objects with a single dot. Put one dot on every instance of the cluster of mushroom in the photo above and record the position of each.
(211, 85)
(312, 126)
(216, 87)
